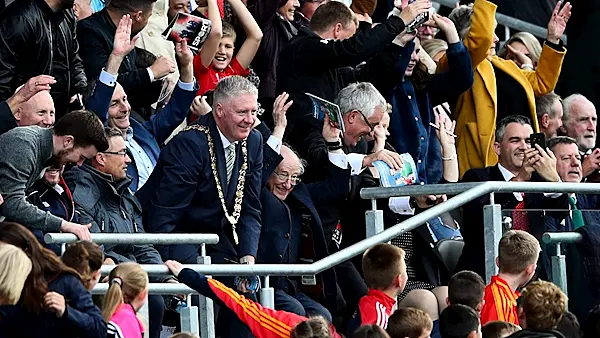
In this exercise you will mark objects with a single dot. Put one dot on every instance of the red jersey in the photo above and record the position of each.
(500, 302)
(208, 77)
(375, 308)
(263, 322)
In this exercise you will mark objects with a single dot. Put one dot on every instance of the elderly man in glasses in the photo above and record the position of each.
(292, 231)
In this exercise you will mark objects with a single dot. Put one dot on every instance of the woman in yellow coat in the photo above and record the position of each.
(500, 87)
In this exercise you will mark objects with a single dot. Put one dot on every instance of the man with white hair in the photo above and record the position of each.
(291, 228)
(208, 180)
(579, 122)
(362, 108)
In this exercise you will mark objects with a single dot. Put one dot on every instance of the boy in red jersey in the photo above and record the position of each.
(384, 270)
(518, 253)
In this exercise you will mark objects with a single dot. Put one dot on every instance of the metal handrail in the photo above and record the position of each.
(136, 239)
(561, 237)
(507, 21)
(153, 288)
(469, 193)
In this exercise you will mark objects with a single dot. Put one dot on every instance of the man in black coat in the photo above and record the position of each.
(323, 59)
(517, 162)
(208, 180)
(38, 37)
(96, 35)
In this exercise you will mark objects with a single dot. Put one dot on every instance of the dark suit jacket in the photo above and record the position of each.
(277, 237)
(181, 195)
(313, 149)
(472, 257)
(7, 119)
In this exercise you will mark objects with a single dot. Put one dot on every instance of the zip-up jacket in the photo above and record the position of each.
(56, 200)
(374, 308)
(110, 207)
(34, 40)
(263, 322)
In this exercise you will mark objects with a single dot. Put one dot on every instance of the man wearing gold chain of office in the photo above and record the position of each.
(207, 180)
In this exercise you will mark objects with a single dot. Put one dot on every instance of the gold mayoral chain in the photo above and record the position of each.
(239, 191)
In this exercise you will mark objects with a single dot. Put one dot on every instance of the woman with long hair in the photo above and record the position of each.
(87, 259)
(54, 298)
(126, 295)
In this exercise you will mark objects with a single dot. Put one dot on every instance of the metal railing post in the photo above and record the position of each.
(492, 219)
(267, 295)
(145, 314)
(559, 269)
(374, 220)
(205, 305)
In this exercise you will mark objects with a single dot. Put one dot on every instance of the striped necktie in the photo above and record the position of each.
(230, 160)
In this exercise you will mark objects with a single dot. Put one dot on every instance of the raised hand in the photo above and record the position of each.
(184, 54)
(558, 21)
(521, 58)
(447, 26)
(280, 107)
(410, 11)
(29, 89)
(123, 44)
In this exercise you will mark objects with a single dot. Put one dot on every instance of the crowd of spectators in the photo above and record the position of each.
(108, 127)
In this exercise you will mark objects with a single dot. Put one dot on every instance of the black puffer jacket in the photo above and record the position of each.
(34, 41)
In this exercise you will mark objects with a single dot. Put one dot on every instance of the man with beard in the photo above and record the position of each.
(518, 162)
(38, 37)
(96, 35)
(26, 152)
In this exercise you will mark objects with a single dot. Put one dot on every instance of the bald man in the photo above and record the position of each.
(37, 111)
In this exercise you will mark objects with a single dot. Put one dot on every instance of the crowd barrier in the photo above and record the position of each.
(465, 192)
(196, 319)
(559, 263)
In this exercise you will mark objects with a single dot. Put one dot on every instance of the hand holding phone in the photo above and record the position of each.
(539, 139)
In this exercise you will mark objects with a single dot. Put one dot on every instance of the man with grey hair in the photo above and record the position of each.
(362, 108)
(579, 122)
(549, 111)
(208, 180)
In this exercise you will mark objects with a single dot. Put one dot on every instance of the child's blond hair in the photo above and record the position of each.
(517, 250)
(126, 281)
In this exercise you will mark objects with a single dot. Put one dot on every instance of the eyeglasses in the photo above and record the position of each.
(294, 179)
(372, 127)
(122, 152)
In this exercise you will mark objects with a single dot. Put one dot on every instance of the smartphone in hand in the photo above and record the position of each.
(539, 139)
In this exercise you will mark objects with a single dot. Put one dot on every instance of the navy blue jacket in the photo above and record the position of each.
(43, 196)
(7, 119)
(81, 318)
(280, 238)
(151, 134)
(181, 195)
(410, 131)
